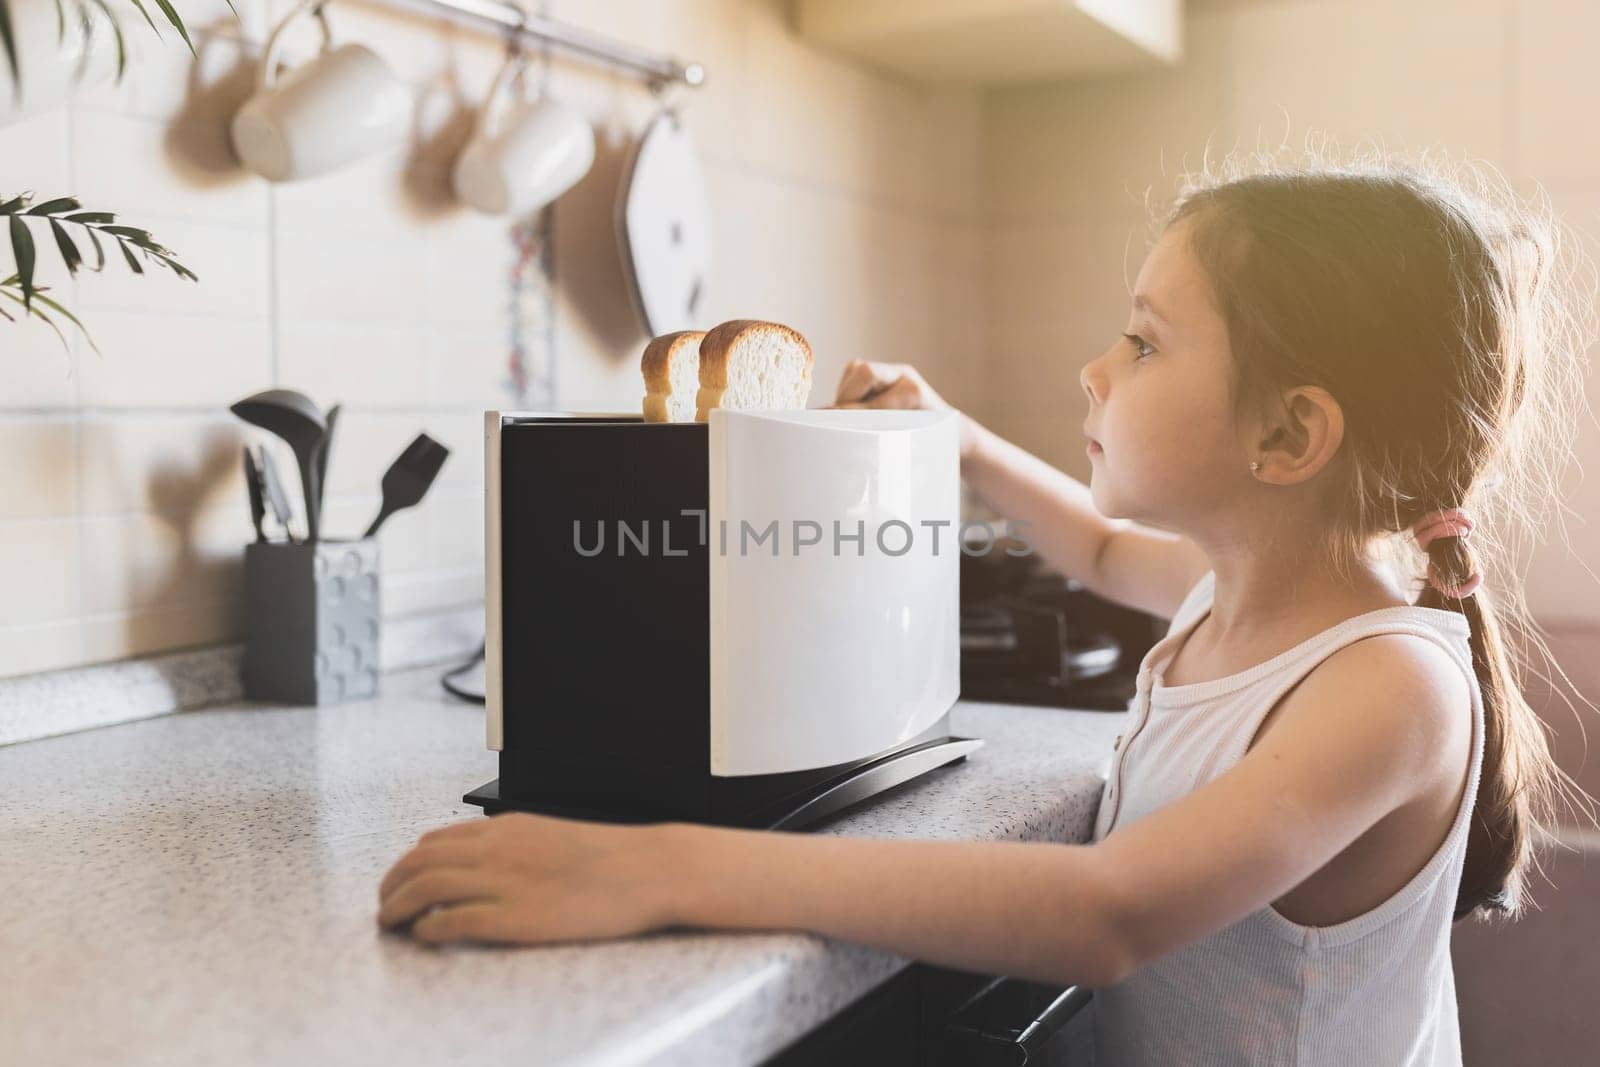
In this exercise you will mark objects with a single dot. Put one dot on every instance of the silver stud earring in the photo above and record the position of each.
(1255, 466)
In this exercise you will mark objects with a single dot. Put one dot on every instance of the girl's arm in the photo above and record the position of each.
(1122, 561)
(1140, 566)
(1361, 738)
(1370, 731)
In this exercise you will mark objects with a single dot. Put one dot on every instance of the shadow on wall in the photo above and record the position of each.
(177, 494)
(588, 258)
(221, 79)
(441, 127)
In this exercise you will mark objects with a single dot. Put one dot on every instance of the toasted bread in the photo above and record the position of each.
(751, 365)
(671, 367)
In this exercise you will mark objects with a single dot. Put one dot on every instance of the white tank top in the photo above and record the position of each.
(1376, 989)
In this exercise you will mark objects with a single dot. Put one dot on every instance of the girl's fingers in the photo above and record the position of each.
(902, 394)
(861, 379)
(432, 887)
(475, 922)
(847, 389)
(447, 853)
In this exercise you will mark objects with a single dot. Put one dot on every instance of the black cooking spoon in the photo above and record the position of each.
(296, 418)
(322, 455)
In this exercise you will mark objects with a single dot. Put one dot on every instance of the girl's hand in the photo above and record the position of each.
(885, 385)
(897, 385)
(527, 879)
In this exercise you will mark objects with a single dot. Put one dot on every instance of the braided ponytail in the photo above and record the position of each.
(1515, 750)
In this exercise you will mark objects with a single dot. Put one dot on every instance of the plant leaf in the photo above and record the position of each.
(177, 268)
(85, 27)
(70, 317)
(147, 18)
(36, 313)
(172, 17)
(15, 204)
(69, 251)
(51, 207)
(22, 248)
(131, 232)
(99, 253)
(127, 254)
(88, 217)
(116, 33)
(61, 22)
(8, 43)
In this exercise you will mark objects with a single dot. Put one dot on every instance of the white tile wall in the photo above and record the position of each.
(846, 204)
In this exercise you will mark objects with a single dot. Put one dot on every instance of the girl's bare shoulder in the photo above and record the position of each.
(1404, 691)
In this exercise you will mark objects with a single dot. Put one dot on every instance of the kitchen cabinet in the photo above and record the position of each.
(929, 1016)
(968, 42)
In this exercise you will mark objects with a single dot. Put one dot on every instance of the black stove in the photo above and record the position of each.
(1030, 635)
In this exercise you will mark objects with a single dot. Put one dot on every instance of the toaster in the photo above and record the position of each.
(750, 621)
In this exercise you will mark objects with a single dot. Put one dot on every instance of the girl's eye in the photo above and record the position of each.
(1139, 344)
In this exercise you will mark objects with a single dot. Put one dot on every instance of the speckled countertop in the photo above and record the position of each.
(200, 888)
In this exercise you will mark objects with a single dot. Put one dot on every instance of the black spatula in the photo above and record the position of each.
(409, 477)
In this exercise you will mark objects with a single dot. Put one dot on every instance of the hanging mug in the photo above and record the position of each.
(342, 106)
(523, 155)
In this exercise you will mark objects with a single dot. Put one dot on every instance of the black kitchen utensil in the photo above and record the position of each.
(275, 494)
(322, 456)
(296, 418)
(252, 484)
(409, 477)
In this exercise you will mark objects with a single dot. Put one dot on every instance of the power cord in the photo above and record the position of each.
(450, 686)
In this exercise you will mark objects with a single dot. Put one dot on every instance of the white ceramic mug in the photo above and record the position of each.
(522, 155)
(340, 107)
(55, 59)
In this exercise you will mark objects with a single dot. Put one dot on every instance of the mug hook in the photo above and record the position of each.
(666, 92)
(511, 71)
(268, 74)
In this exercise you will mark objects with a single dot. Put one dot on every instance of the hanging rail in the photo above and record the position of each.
(507, 17)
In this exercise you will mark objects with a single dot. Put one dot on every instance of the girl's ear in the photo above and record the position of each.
(1302, 438)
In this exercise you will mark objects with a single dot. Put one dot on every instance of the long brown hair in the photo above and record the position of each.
(1446, 316)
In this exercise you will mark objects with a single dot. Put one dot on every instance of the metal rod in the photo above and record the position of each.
(508, 17)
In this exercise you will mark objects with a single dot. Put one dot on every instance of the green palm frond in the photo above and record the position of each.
(58, 214)
(63, 216)
(82, 14)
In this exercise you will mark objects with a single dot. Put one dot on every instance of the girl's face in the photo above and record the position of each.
(1164, 444)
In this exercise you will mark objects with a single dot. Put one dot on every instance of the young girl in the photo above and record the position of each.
(1321, 770)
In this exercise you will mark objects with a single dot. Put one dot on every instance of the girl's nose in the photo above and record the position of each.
(1093, 381)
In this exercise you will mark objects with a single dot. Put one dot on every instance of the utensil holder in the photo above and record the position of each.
(314, 614)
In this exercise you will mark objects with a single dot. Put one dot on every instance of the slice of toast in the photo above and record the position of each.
(753, 366)
(671, 366)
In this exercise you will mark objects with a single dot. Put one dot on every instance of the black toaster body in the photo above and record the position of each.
(598, 639)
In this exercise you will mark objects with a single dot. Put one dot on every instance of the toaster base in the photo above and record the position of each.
(794, 812)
